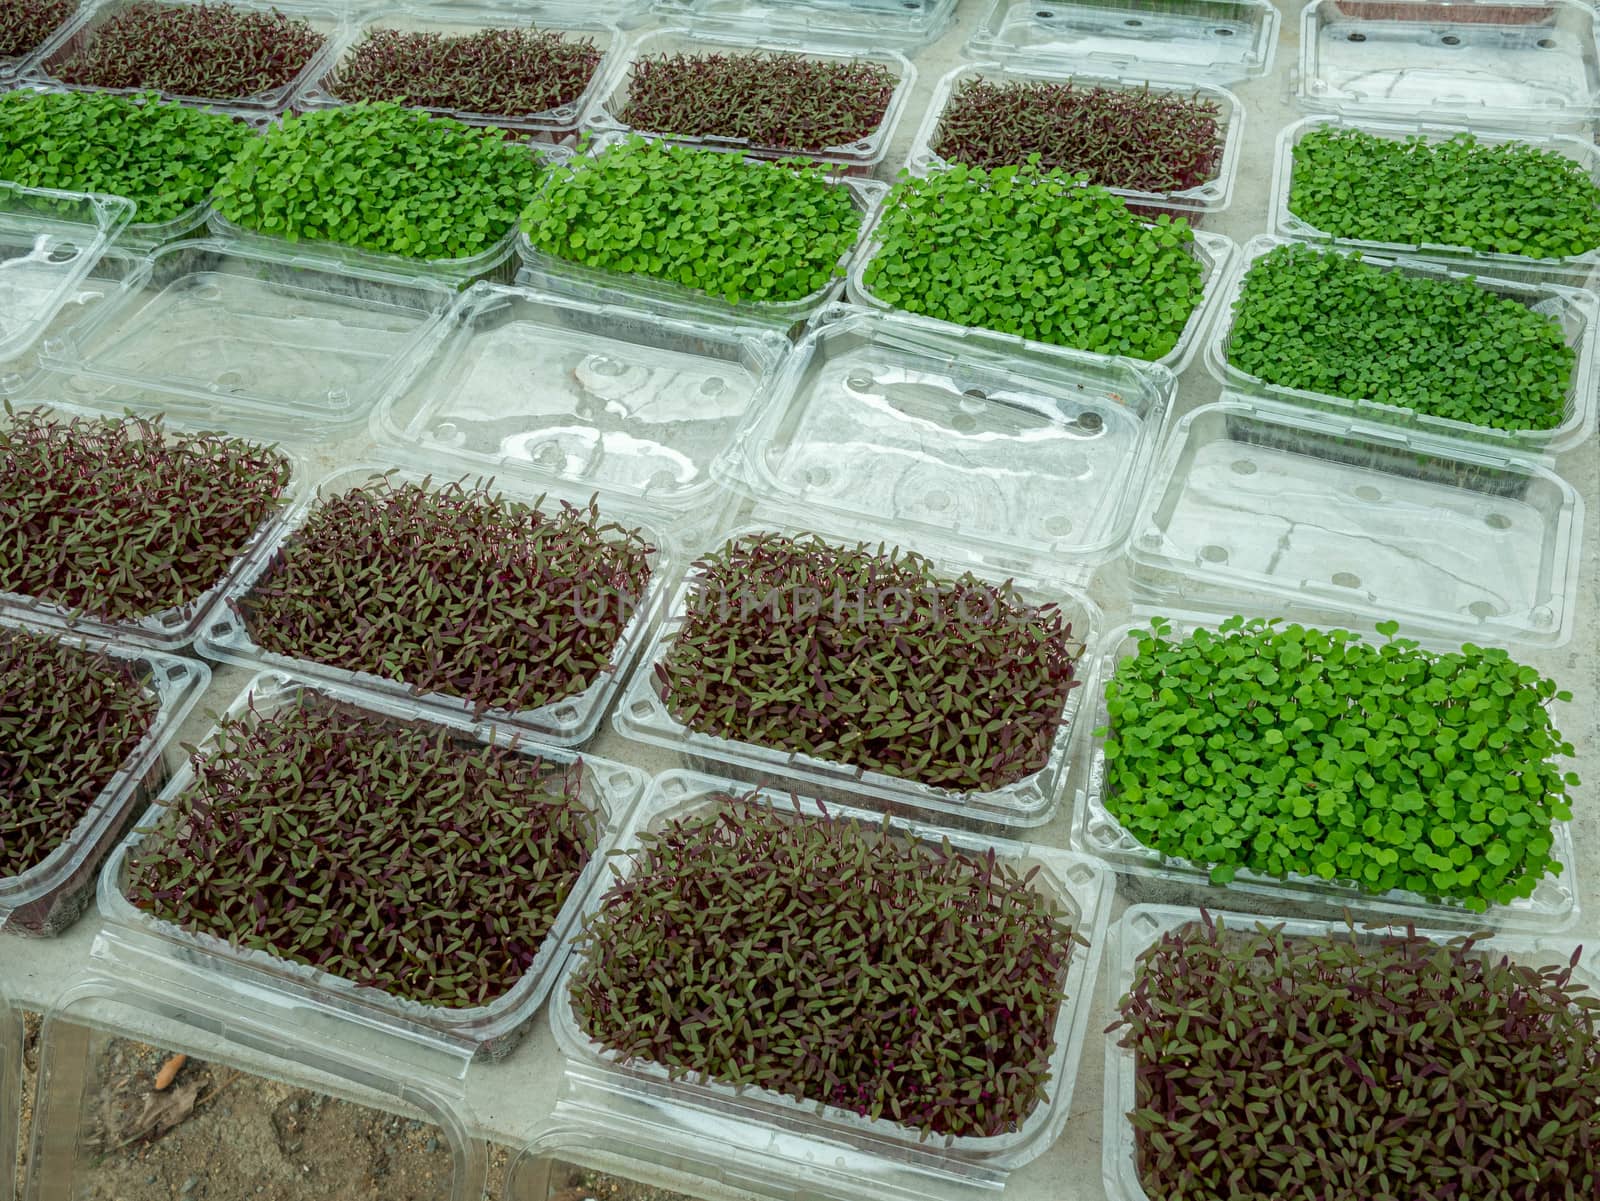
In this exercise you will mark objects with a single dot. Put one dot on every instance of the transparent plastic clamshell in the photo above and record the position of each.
(1081, 886)
(1096, 831)
(553, 124)
(1576, 311)
(494, 1027)
(1524, 63)
(12, 67)
(611, 97)
(10, 1090)
(50, 241)
(1296, 511)
(1202, 41)
(1191, 203)
(257, 341)
(48, 897)
(20, 375)
(868, 24)
(959, 433)
(568, 722)
(607, 398)
(1144, 925)
(642, 715)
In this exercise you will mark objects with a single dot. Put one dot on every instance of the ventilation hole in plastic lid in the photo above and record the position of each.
(1347, 579)
(1481, 608)
(229, 379)
(65, 252)
(964, 422)
(1080, 873)
(1244, 467)
(641, 708)
(604, 364)
(1368, 492)
(567, 713)
(1045, 13)
(1497, 521)
(1223, 32)
(1058, 523)
(1450, 39)
(1091, 421)
(976, 394)
(714, 386)
(1546, 43)
(818, 476)
(860, 381)
(1357, 37)
(1133, 23)
(1214, 553)
(937, 499)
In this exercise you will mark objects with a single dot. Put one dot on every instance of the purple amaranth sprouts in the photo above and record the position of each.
(25, 24)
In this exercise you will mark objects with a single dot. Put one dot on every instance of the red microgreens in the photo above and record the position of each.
(25, 24)
(831, 961)
(396, 855)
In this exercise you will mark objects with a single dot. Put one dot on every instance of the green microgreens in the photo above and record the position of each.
(203, 50)
(1359, 1068)
(1327, 322)
(768, 98)
(1117, 137)
(69, 720)
(872, 659)
(25, 24)
(1282, 749)
(1511, 198)
(381, 177)
(501, 72)
(453, 590)
(1029, 252)
(165, 157)
(765, 232)
(831, 961)
(121, 519)
(396, 855)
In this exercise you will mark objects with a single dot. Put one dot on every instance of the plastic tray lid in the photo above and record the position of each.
(1528, 63)
(10, 1090)
(871, 24)
(910, 424)
(256, 341)
(1195, 41)
(49, 241)
(616, 400)
(1312, 517)
(290, 1068)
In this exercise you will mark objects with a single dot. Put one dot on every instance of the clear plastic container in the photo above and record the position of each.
(1213, 252)
(1082, 887)
(50, 896)
(11, 67)
(10, 1091)
(1216, 41)
(170, 630)
(1143, 925)
(329, 21)
(872, 24)
(20, 374)
(525, 385)
(1574, 270)
(554, 124)
(50, 241)
(548, 272)
(496, 1027)
(1296, 512)
(1096, 831)
(569, 722)
(611, 98)
(641, 714)
(1577, 312)
(254, 340)
(1193, 203)
(317, 1103)
(1536, 66)
(957, 433)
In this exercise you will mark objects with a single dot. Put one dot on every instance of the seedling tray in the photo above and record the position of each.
(1214, 41)
(1449, 64)
(50, 896)
(1142, 926)
(858, 157)
(969, 435)
(1301, 512)
(1096, 831)
(1213, 252)
(11, 66)
(20, 377)
(569, 722)
(1082, 888)
(255, 340)
(496, 1027)
(643, 715)
(1193, 203)
(1573, 270)
(868, 24)
(551, 273)
(554, 124)
(526, 385)
(1575, 310)
(326, 20)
